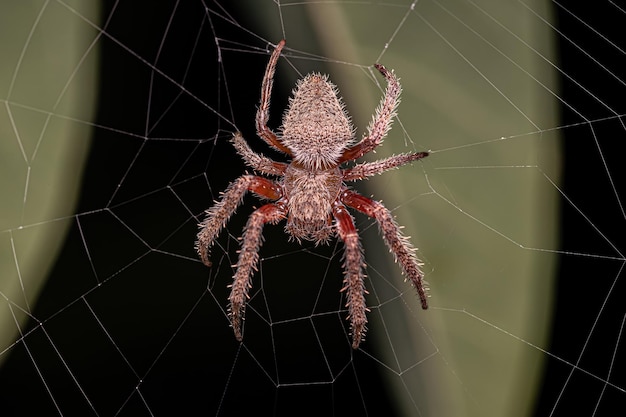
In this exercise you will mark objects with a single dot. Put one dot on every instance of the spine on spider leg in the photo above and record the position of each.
(386, 111)
(267, 84)
(354, 277)
(403, 250)
(255, 161)
(218, 215)
(262, 115)
(381, 121)
(368, 169)
(399, 245)
(248, 261)
(354, 286)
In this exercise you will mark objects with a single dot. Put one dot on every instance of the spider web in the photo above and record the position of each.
(115, 123)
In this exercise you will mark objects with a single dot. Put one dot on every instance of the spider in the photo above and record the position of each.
(310, 192)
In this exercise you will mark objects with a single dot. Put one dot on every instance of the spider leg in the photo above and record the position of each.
(381, 123)
(368, 169)
(262, 115)
(256, 161)
(353, 263)
(403, 250)
(218, 215)
(248, 259)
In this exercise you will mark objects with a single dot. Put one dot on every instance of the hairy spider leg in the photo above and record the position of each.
(403, 250)
(258, 162)
(218, 215)
(381, 123)
(368, 169)
(248, 260)
(353, 263)
(262, 115)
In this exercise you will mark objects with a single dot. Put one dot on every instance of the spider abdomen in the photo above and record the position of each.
(316, 127)
(309, 196)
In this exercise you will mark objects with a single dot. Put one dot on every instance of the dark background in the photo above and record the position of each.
(588, 318)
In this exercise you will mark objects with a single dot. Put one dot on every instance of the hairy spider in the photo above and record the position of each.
(310, 190)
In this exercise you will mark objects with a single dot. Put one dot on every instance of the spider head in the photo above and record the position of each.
(316, 127)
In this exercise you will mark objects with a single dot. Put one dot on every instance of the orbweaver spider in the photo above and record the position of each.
(310, 190)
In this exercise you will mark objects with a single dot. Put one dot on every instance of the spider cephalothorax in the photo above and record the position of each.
(310, 192)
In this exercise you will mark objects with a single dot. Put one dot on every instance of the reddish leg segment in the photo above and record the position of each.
(399, 244)
(381, 124)
(353, 283)
(218, 215)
